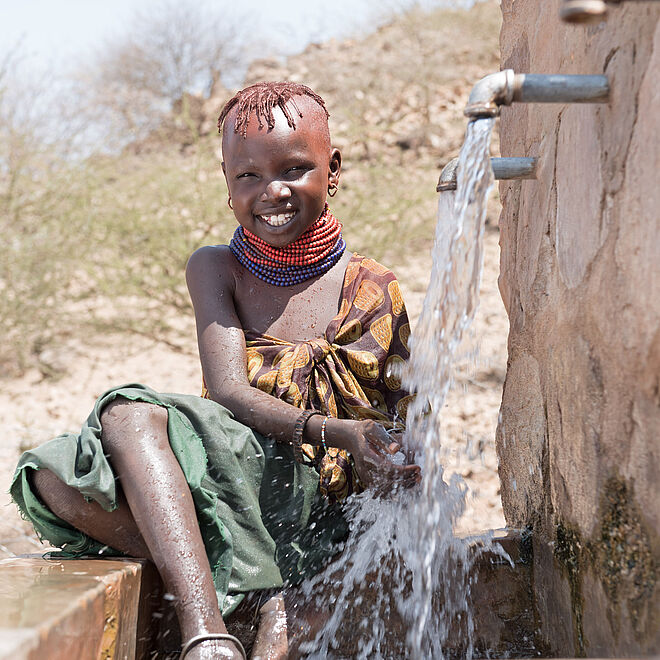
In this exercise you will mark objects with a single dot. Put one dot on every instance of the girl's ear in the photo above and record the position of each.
(224, 171)
(334, 167)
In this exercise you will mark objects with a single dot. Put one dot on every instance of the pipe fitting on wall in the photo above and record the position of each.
(503, 169)
(507, 87)
(490, 93)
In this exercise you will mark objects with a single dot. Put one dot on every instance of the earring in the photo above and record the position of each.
(332, 189)
(229, 203)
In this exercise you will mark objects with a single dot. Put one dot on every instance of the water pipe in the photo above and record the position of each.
(507, 87)
(503, 168)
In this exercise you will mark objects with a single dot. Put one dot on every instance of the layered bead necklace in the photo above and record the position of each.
(314, 253)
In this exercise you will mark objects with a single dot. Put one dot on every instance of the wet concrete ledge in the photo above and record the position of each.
(69, 609)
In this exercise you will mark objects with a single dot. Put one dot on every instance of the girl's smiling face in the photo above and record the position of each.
(278, 178)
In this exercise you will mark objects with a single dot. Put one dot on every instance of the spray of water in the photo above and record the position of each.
(402, 585)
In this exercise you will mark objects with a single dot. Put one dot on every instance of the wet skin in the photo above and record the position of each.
(277, 172)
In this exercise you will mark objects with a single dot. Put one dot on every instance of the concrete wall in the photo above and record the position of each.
(579, 437)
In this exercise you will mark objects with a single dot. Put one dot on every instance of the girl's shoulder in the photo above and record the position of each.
(214, 263)
(217, 255)
(210, 252)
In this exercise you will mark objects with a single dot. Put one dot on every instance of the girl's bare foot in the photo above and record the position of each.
(271, 642)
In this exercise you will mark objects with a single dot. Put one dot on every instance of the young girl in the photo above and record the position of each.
(300, 344)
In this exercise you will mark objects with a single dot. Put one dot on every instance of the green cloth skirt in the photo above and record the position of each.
(262, 518)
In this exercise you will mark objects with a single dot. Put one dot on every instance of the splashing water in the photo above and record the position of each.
(402, 584)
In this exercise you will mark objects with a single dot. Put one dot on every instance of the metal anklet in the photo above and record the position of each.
(198, 639)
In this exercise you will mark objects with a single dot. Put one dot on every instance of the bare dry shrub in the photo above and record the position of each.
(135, 79)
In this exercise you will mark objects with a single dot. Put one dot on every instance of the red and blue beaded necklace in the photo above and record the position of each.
(314, 253)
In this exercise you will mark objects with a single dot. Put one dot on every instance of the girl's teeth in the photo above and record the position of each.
(277, 220)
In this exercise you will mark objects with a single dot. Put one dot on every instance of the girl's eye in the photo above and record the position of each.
(297, 169)
(245, 175)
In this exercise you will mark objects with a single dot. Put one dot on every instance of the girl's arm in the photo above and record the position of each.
(222, 351)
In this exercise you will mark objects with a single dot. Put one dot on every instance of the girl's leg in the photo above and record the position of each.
(271, 642)
(164, 521)
(116, 529)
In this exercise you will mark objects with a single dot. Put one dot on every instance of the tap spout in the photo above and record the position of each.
(490, 93)
(507, 87)
(503, 168)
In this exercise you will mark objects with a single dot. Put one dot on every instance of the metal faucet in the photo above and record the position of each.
(503, 168)
(507, 87)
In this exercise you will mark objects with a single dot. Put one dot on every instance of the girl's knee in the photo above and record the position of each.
(44, 482)
(61, 499)
(124, 421)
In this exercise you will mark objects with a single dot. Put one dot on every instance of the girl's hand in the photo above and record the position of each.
(371, 448)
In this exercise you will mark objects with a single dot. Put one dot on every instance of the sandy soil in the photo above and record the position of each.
(35, 409)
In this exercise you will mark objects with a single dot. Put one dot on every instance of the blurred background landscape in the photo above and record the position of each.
(110, 177)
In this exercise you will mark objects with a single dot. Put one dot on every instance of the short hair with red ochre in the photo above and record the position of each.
(261, 98)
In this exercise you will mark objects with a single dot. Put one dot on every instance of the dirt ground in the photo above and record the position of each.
(34, 409)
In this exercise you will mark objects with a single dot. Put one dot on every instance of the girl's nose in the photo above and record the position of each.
(276, 190)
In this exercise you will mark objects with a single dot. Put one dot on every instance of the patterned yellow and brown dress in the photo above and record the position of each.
(262, 518)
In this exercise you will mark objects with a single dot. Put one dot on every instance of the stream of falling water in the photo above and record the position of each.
(403, 561)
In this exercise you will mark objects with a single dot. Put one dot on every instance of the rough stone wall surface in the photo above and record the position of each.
(579, 437)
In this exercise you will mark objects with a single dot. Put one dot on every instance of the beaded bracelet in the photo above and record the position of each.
(298, 430)
(325, 421)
